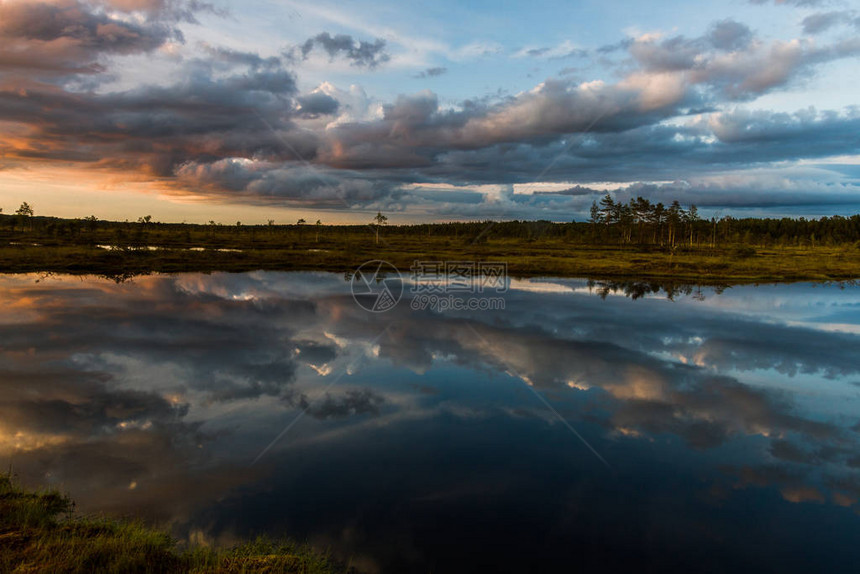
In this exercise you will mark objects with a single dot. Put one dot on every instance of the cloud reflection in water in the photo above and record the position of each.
(154, 396)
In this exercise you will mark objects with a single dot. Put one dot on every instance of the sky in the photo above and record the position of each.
(189, 110)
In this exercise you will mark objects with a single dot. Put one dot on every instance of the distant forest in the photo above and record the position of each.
(641, 222)
(637, 223)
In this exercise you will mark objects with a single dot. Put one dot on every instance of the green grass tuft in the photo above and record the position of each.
(40, 532)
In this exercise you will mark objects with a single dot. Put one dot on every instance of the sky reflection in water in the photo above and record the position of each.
(729, 421)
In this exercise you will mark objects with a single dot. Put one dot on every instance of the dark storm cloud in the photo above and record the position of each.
(317, 104)
(574, 191)
(731, 140)
(71, 21)
(224, 106)
(359, 53)
(229, 104)
(413, 131)
(68, 37)
(265, 181)
(157, 129)
(787, 129)
(743, 138)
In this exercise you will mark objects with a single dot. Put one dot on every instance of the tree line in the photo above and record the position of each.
(645, 222)
(638, 222)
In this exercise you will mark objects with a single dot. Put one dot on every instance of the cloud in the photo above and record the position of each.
(672, 77)
(476, 50)
(226, 58)
(177, 10)
(413, 129)
(262, 182)
(64, 37)
(358, 53)
(317, 104)
(432, 72)
(227, 104)
(564, 50)
(234, 125)
(58, 410)
(621, 45)
(823, 21)
(730, 35)
(737, 74)
(351, 403)
(462, 145)
(800, 3)
(354, 105)
(786, 450)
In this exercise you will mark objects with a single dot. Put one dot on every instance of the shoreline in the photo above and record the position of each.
(612, 263)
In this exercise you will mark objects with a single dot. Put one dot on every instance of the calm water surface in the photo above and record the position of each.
(568, 432)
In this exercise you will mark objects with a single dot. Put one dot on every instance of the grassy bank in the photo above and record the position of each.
(547, 257)
(40, 532)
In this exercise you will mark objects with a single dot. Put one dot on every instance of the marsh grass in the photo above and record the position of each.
(41, 532)
(554, 249)
(556, 258)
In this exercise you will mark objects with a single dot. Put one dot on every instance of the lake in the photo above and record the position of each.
(581, 427)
